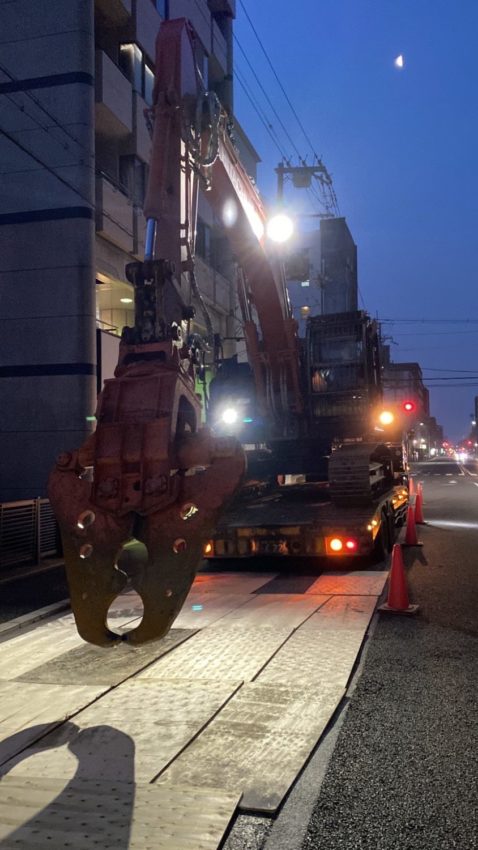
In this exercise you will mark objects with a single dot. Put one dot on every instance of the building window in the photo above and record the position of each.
(133, 64)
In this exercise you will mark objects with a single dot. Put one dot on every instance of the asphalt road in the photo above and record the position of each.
(404, 770)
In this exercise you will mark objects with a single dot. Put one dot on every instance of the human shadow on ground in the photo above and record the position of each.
(92, 808)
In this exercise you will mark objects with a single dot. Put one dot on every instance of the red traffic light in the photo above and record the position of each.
(408, 406)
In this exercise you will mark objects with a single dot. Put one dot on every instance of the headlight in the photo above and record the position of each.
(229, 416)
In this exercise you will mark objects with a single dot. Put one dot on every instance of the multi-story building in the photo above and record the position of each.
(322, 271)
(404, 382)
(75, 79)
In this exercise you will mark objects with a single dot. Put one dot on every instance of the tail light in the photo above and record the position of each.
(341, 545)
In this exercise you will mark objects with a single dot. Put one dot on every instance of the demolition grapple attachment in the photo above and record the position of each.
(150, 473)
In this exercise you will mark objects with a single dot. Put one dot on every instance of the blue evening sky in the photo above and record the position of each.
(402, 147)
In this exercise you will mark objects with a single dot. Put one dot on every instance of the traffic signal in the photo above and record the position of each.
(408, 406)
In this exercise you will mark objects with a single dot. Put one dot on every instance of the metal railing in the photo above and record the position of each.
(28, 533)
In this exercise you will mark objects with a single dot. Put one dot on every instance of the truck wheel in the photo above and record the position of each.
(382, 541)
(392, 531)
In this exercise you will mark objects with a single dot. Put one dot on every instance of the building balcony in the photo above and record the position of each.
(114, 215)
(146, 27)
(113, 96)
(199, 16)
(114, 12)
(139, 143)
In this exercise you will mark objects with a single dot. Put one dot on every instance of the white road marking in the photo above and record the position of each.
(465, 471)
(446, 523)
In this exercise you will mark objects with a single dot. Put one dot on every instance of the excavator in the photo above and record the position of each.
(151, 470)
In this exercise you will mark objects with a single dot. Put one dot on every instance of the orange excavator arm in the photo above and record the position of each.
(150, 471)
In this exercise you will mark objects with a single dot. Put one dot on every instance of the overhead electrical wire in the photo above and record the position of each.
(306, 136)
(258, 81)
(40, 106)
(66, 183)
(329, 201)
(269, 127)
(429, 321)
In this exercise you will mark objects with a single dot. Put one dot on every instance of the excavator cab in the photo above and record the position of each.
(343, 373)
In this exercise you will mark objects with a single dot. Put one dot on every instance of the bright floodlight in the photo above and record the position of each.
(229, 416)
(280, 228)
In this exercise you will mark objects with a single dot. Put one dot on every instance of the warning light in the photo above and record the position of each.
(408, 406)
(386, 417)
(336, 544)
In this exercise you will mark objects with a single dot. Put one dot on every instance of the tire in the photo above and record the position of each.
(382, 544)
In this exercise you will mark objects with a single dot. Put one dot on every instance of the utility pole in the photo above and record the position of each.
(302, 176)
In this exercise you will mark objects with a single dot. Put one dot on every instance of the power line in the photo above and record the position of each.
(330, 199)
(62, 180)
(47, 167)
(261, 115)
(433, 333)
(278, 80)
(429, 321)
(39, 104)
(437, 386)
(267, 97)
(444, 369)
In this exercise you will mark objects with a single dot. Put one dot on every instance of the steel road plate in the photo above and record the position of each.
(219, 654)
(201, 609)
(232, 582)
(315, 658)
(37, 813)
(258, 743)
(131, 734)
(27, 650)
(97, 665)
(273, 611)
(343, 613)
(355, 583)
(28, 711)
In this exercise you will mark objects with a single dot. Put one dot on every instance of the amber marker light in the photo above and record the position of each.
(208, 548)
(386, 417)
(335, 544)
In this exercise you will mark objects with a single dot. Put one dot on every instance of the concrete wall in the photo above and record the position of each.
(47, 315)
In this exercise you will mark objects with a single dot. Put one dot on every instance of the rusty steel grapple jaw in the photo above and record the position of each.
(149, 473)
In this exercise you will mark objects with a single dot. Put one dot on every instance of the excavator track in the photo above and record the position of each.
(359, 473)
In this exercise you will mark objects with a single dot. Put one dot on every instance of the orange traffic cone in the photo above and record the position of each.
(419, 506)
(398, 601)
(411, 486)
(411, 532)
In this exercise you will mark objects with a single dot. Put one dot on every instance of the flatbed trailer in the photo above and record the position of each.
(301, 521)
